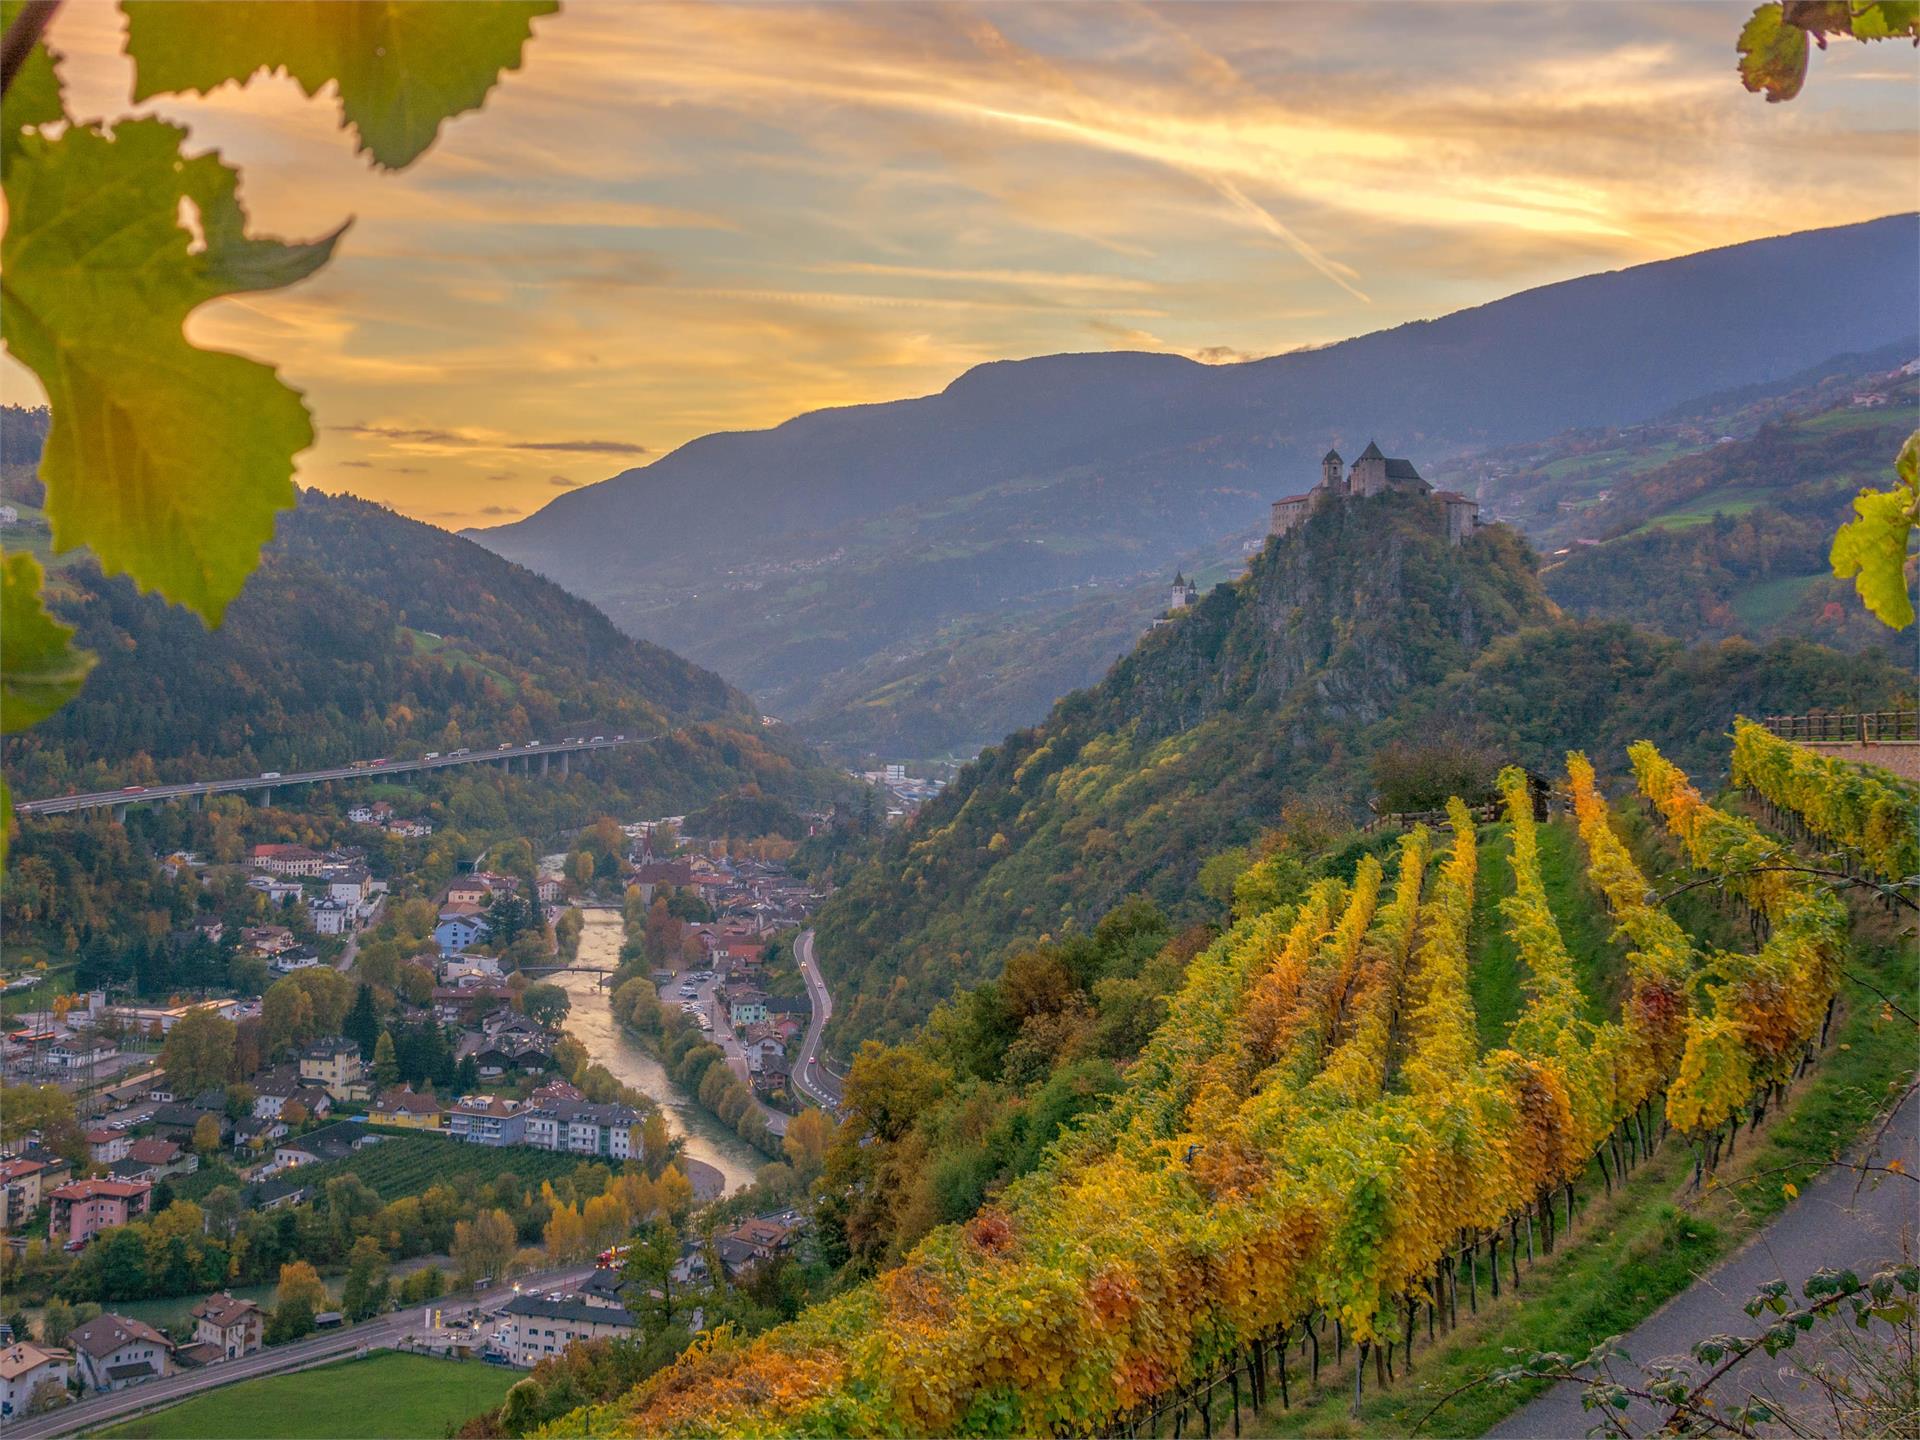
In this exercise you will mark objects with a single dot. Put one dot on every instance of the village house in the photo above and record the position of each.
(487, 1120)
(104, 1146)
(1373, 474)
(580, 1128)
(81, 1209)
(410, 829)
(330, 917)
(278, 889)
(288, 860)
(745, 1005)
(153, 1159)
(407, 1110)
(334, 1064)
(350, 886)
(457, 1004)
(20, 1182)
(459, 927)
(24, 1370)
(538, 1326)
(274, 1089)
(288, 961)
(329, 1142)
(267, 940)
(233, 1327)
(112, 1352)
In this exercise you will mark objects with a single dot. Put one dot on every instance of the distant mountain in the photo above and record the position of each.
(1360, 630)
(868, 541)
(365, 634)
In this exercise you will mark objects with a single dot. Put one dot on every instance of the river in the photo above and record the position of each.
(592, 1022)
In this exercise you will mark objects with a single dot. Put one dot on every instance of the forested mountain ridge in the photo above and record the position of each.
(1734, 539)
(859, 545)
(1360, 631)
(364, 634)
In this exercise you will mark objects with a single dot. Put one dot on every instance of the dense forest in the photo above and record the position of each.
(1359, 632)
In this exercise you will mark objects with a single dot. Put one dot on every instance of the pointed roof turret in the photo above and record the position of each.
(1178, 578)
(1333, 455)
(1372, 452)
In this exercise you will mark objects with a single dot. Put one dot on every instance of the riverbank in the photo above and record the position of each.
(708, 1143)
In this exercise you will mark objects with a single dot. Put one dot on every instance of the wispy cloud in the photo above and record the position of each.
(683, 218)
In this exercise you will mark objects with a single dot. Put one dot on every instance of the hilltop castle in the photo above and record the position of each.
(1374, 474)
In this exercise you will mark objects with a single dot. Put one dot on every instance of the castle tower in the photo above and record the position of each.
(1331, 480)
(1369, 472)
(1185, 592)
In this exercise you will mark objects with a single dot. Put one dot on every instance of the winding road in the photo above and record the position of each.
(383, 1333)
(1837, 1223)
(811, 1078)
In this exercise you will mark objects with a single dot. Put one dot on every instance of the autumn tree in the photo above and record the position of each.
(483, 1245)
(805, 1144)
(199, 1052)
(206, 1135)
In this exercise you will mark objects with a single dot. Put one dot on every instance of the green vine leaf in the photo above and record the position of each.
(33, 99)
(1873, 548)
(402, 66)
(40, 670)
(1773, 54)
(168, 461)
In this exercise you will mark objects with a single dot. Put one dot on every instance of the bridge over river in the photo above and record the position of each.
(525, 757)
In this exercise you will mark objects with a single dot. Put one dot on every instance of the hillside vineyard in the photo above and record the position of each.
(1313, 1148)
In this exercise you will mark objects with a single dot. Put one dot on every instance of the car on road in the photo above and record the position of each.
(133, 789)
(619, 737)
(532, 743)
(599, 740)
(269, 774)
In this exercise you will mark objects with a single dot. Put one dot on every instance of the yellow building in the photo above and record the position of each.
(407, 1110)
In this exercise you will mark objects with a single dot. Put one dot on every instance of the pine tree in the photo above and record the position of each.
(362, 1025)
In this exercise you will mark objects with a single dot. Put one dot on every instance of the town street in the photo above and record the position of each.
(811, 1078)
(383, 1333)
(707, 996)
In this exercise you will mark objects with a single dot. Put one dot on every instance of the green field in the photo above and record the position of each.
(1699, 509)
(1771, 601)
(384, 1397)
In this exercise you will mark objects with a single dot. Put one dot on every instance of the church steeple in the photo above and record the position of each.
(1330, 477)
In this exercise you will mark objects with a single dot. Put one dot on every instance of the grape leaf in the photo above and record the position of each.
(1888, 20)
(34, 96)
(1773, 54)
(1873, 548)
(402, 66)
(40, 670)
(168, 461)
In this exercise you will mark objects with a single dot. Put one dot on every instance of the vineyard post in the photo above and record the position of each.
(1359, 1372)
(1233, 1376)
(1286, 1401)
(1493, 1253)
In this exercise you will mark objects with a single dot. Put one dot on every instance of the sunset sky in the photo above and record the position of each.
(677, 220)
